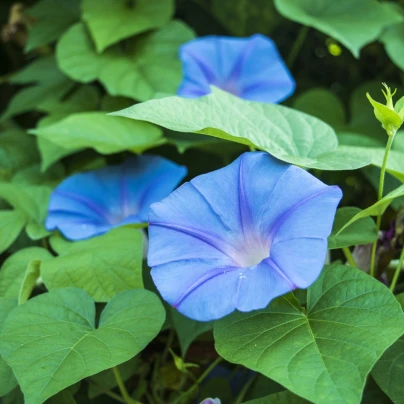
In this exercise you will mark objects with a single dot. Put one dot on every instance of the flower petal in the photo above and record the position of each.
(111, 196)
(75, 226)
(240, 236)
(250, 68)
(148, 179)
(264, 76)
(293, 188)
(300, 259)
(198, 291)
(260, 284)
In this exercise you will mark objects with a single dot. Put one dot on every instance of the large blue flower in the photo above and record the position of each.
(240, 236)
(250, 68)
(88, 204)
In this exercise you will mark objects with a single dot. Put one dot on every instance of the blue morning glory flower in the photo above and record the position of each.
(88, 204)
(238, 237)
(250, 68)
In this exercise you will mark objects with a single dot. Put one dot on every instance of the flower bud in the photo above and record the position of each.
(390, 116)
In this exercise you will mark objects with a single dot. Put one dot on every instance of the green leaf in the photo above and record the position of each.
(287, 134)
(14, 270)
(50, 85)
(389, 370)
(17, 150)
(376, 209)
(324, 352)
(244, 17)
(399, 141)
(63, 397)
(339, 19)
(11, 224)
(149, 65)
(283, 397)
(363, 231)
(111, 21)
(31, 276)
(33, 175)
(395, 162)
(54, 334)
(187, 329)
(7, 378)
(84, 98)
(32, 202)
(105, 380)
(14, 397)
(102, 266)
(393, 40)
(51, 19)
(322, 104)
(101, 132)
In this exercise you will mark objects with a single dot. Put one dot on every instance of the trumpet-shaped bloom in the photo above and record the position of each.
(88, 204)
(238, 237)
(250, 68)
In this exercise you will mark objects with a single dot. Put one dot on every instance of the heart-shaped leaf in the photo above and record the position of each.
(54, 335)
(103, 266)
(324, 352)
(150, 64)
(287, 134)
(110, 21)
(339, 19)
(363, 231)
(389, 370)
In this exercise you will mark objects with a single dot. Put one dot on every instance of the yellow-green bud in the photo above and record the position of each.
(390, 116)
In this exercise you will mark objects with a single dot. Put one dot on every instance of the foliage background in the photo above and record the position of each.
(53, 125)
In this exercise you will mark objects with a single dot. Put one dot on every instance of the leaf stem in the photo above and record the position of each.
(348, 256)
(128, 399)
(397, 271)
(301, 36)
(380, 196)
(244, 390)
(201, 378)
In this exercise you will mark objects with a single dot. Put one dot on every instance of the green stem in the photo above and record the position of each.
(301, 36)
(128, 399)
(244, 390)
(201, 378)
(380, 196)
(397, 271)
(109, 393)
(348, 256)
(115, 396)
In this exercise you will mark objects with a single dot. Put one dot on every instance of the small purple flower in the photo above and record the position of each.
(250, 68)
(88, 204)
(240, 236)
(211, 401)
